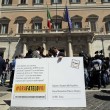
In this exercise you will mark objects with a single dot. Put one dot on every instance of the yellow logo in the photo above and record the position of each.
(30, 88)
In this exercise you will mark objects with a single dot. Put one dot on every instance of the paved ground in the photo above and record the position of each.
(96, 100)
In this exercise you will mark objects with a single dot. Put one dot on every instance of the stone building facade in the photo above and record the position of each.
(23, 25)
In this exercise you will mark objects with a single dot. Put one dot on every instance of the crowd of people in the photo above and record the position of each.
(96, 69)
(7, 67)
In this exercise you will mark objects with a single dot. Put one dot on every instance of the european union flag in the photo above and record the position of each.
(67, 18)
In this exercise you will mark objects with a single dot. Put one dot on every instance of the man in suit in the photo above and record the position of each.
(57, 52)
(2, 66)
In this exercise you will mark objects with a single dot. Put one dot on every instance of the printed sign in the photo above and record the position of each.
(48, 83)
(75, 63)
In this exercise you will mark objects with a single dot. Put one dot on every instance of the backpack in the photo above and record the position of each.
(96, 66)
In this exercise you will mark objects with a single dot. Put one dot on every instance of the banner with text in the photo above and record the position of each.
(49, 82)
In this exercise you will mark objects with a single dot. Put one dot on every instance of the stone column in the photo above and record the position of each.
(98, 1)
(83, 1)
(70, 47)
(24, 47)
(9, 43)
(89, 46)
(44, 45)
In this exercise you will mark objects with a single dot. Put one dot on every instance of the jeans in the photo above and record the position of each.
(86, 77)
(3, 78)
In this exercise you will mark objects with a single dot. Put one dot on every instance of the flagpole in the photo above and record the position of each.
(47, 9)
(67, 17)
(47, 15)
(68, 22)
(49, 24)
(56, 17)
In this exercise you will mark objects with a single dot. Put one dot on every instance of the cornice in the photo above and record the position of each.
(61, 7)
(100, 37)
(9, 39)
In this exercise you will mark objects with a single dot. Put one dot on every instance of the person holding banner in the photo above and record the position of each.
(38, 53)
(57, 52)
(54, 52)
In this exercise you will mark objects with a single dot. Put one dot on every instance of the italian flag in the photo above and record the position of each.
(49, 24)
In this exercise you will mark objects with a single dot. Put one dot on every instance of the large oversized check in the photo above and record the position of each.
(49, 82)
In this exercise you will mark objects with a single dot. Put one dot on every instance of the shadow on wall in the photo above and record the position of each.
(18, 49)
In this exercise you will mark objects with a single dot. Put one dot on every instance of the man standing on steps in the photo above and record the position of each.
(12, 67)
(2, 66)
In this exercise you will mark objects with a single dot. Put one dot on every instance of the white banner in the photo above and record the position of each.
(49, 82)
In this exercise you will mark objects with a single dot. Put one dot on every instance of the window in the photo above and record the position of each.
(20, 21)
(74, 1)
(37, 26)
(20, 27)
(106, 19)
(56, 1)
(90, 1)
(4, 28)
(36, 23)
(4, 22)
(77, 25)
(57, 22)
(105, 1)
(92, 20)
(37, 1)
(23, 2)
(57, 25)
(107, 26)
(93, 26)
(6, 2)
(76, 22)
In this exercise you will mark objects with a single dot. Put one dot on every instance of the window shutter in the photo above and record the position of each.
(10, 1)
(60, 1)
(40, 26)
(2, 2)
(106, 27)
(80, 24)
(6, 28)
(35, 26)
(41, 1)
(52, 1)
(20, 28)
(70, 1)
(33, 1)
(0, 28)
(23, 1)
(93, 26)
(59, 25)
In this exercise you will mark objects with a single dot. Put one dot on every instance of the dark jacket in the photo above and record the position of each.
(2, 65)
(61, 54)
